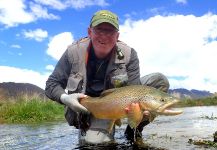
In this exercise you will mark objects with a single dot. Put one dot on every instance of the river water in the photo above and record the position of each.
(165, 132)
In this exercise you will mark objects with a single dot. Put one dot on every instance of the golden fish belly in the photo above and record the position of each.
(105, 109)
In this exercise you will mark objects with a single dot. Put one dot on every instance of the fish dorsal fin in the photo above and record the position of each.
(106, 92)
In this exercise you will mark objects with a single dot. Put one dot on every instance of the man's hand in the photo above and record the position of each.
(72, 102)
(146, 115)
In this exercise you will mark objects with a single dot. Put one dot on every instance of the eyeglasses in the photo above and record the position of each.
(107, 32)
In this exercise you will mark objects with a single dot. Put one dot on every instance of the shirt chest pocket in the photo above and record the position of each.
(76, 77)
(75, 83)
(118, 76)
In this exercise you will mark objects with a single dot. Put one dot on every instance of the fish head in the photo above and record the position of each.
(159, 103)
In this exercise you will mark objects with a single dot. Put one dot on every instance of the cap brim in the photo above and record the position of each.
(95, 23)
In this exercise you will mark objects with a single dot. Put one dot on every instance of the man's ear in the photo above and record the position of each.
(89, 31)
(118, 35)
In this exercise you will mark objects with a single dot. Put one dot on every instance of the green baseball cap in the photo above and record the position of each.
(104, 16)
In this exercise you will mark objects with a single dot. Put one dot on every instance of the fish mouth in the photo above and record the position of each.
(166, 109)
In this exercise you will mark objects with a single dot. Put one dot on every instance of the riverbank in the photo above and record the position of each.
(29, 110)
(209, 101)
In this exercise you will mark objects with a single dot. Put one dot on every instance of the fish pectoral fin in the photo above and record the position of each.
(118, 122)
(134, 115)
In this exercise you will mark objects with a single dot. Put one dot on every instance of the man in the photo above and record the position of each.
(90, 66)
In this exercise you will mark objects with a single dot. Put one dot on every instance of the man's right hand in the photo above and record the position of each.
(72, 102)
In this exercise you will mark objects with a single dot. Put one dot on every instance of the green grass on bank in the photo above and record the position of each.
(209, 101)
(30, 110)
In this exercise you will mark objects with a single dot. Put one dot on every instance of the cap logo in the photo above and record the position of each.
(107, 15)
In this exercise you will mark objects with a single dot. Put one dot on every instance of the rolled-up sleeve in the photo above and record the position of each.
(57, 81)
(133, 69)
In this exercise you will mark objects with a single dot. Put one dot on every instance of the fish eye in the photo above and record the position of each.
(162, 100)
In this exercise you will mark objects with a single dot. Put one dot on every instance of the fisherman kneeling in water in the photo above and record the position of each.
(94, 64)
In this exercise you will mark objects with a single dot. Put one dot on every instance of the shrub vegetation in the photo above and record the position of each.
(27, 109)
(209, 101)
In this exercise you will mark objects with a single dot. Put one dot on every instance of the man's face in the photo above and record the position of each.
(104, 37)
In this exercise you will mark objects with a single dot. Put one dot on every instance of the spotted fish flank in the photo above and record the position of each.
(130, 102)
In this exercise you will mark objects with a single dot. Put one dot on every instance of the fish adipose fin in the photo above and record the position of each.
(134, 115)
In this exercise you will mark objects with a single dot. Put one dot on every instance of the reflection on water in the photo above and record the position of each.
(165, 132)
(45, 136)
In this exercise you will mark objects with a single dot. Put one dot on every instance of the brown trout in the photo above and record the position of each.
(130, 102)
